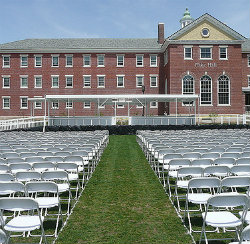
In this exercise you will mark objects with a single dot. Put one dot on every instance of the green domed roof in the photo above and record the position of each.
(186, 16)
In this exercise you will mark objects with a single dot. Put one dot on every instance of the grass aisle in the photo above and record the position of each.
(124, 202)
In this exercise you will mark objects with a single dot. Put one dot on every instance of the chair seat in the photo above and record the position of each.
(173, 174)
(63, 187)
(73, 177)
(47, 202)
(199, 198)
(182, 183)
(23, 223)
(222, 219)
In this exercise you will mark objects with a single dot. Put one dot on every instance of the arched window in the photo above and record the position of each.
(188, 84)
(206, 90)
(223, 90)
(187, 87)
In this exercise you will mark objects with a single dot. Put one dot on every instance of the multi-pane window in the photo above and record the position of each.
(69, 60)
(248, 60)
(6, 102)
(38, 105)
(139, 60)
(223, 90)
(153, 104)
(120, 80)
(55, 105)
(38, 61)
(24, 81)
(188, 53)
(24, 60)
(38, 81)
(248, 79)
(206, 90)
(120, 60)
(6, 61)
(153, 81)
(153, 60)
(223, 52)
(69, 104)
(206, 53)
(139, 80)
(100, 60)
(187, 87)
(101, 81)
(55, 60)
(24, 102)
(87, 81)
(87, 104)
(86, 60)
(55, 81)
(69, 81)
(6, 81)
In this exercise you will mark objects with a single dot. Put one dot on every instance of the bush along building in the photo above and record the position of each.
(205, 57)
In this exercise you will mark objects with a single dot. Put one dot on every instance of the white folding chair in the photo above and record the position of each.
(6, 177)
(217, 170)
(198, 192)
(218, 214)
(11, 188)
(43, 166)
(232, 184)
(47, 195)
(3, 237)
(243, 170)
(16, 167)
(25, 176)
(27, 219)
(244, 236)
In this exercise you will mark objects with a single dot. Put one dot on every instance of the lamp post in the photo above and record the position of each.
(143, 90)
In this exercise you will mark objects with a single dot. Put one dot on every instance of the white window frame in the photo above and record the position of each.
(38, 104)
(226, 47)
(21, 81)
(101, 106)
(137, 81)
(52, 59)
(23, 63)
(21, 102)
(89, 56)
(166, 57)
(4, 62)
(3, 102)
(120, 106)
(184, 50)
(98, 77)
(66, 81)
(6, 77)
(99, 61)
(69, 104)
(52, 82)
(190, 88)
(152, 104)
(118, 61)
(36, 62)
(53, 105)
(139, 106)
(152, 64)
(67, 56)
(248, 60)
(211, 52)
(248, 80)
(137, 60)
(87, 105)
(229, 92)
(117, 80)
(156, 80)
(35, 81)
(202, 103)
(84, 82)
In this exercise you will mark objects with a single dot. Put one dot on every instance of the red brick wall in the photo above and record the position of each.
(178, 67)
(110, 71)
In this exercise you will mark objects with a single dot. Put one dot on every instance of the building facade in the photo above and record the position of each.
(205, 57)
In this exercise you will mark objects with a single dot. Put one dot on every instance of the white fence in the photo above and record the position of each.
(12, 124)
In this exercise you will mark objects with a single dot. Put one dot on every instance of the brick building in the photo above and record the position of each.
(205, 57)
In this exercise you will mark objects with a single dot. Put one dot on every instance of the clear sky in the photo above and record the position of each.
(21, 19)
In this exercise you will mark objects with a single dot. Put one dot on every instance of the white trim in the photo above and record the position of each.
(24, 76)
(229, 91)
(153, 55)
(210, 104)
(5, 97)
(5, 66)
(83, 78)
(35, 103)
(3, 77)
(137, 80)
(98, 81)
(21, 61)
(123, 81)
(56, 56)
(38, 56)
(140, 55)
(152, 75)
(52, 76)
(122, 55)
(211, 52)
(248, 60)
(21, 97)
(226, 47)
(38, 76)
(248, 80)
(69, 76)
(184, 52)
(86, 55)
(66, 57)
(151, 106)
(97, 60)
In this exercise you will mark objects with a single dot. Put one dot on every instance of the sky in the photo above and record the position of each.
(22, 19)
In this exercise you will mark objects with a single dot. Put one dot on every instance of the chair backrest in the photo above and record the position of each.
(18, 204)
(243, 161)
(36, 159)
(204, 182)
(3, 237)
(217, 170)
(189, 171)
(55, 175)
(6, 177)
(210, 155)
(228, 200)
(19, 166)
(236, 181)
(41, 186)
(201, 162)
(224, 161)
(54, 159)
(240, 170)
(245, 234)
(28, 176)
(4, 168)
(69, 167)
(11, 187)
(191, 155)
(43, 166)
(177, 163)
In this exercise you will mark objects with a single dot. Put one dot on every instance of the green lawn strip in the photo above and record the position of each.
(124, 202)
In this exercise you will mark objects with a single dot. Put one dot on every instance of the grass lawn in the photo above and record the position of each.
(124, 202)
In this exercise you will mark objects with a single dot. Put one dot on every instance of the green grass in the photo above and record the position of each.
(124, 202)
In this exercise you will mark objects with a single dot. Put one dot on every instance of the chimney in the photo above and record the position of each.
(161, 33)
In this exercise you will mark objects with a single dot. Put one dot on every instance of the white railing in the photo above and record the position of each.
(22, 123)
